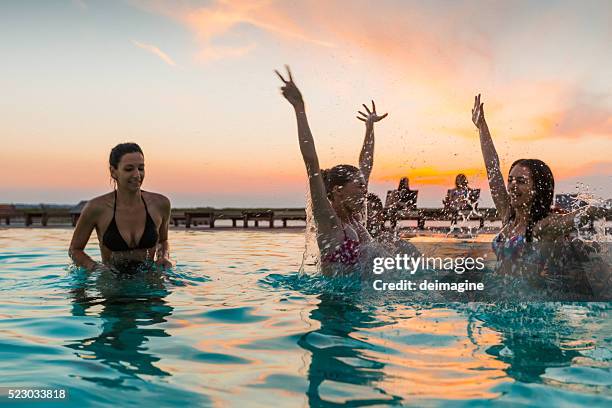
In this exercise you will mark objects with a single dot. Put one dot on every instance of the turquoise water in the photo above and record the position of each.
(235, 325)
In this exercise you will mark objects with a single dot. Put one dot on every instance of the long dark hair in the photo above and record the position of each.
(461, 181)
(543, 186)
(120, 150)
(338, 175)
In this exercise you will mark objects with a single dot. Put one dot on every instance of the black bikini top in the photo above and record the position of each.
(113, 240)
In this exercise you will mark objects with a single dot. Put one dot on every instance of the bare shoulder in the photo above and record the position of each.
(159, 200)
(99, 204)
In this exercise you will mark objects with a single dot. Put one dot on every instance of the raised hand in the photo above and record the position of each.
(290, 91)
(478, 112)
(371, 117)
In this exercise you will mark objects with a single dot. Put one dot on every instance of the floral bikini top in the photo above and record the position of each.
(511, 248)
(347, 253)
(524, 257)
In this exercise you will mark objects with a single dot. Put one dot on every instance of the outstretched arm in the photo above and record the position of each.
(559, 225)
(322, 210)
(366, 158)
(491, 159)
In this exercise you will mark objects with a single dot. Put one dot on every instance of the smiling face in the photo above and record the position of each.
(521, 187)
(351, 195)
(130, 171)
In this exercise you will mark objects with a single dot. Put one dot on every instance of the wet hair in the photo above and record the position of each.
(403, 184)
(459, 177)
(121, 150)
(543, 186)
(339, 175)
(375, 202)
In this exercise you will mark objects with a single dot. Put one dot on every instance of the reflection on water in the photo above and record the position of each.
(128, 313)
(236, 324)
(338, 367)
(389, 351)
(538, 337)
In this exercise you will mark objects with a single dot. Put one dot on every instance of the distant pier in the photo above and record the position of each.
(211, 218)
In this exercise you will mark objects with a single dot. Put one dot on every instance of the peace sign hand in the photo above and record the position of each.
(290, 91)
(371, 117)
(478, 112)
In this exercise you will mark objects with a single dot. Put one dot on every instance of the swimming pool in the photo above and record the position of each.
(235, 325)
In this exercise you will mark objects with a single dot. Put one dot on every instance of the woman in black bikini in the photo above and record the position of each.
(131, 224)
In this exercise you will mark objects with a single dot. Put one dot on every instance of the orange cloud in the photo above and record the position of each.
(532, 110)
(585, 115)
(407, 39)
(211, 22)
(588, 169)
(434, 53)
(155, 51)
(429, 175)
(555, 109)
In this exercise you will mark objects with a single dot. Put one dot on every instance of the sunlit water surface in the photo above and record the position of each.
(234, 324)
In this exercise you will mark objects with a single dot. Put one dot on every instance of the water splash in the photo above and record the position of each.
(311, 258)
(596, 230)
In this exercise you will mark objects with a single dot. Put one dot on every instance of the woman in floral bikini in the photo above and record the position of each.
(338, 194)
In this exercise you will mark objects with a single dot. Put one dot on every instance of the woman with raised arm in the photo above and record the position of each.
(131, 224)
(366, 157)
(338, 195)
(525, 206)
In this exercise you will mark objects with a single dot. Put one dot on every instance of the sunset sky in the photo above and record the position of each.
(192, 82)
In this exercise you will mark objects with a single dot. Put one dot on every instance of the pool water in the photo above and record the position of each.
(235, 324)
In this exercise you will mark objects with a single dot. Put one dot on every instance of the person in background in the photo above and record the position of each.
(400, 200)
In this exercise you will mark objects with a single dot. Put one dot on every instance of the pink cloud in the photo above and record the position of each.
(155, 51)
(212, 21)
